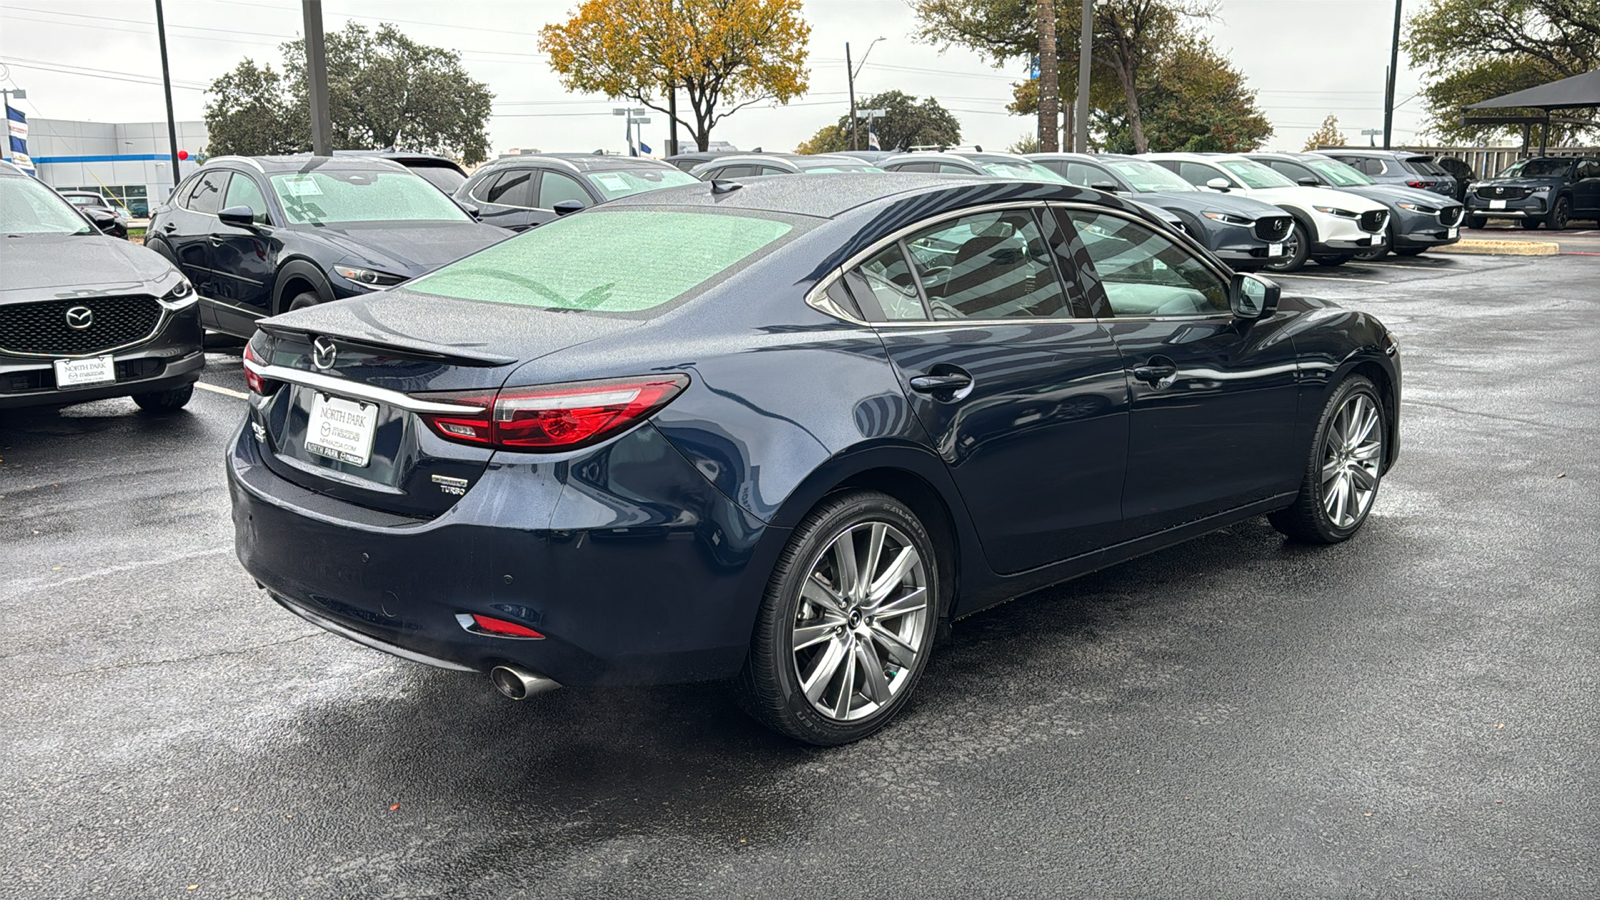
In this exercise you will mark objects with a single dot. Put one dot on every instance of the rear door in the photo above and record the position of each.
(1214, 399)
(1020, 390)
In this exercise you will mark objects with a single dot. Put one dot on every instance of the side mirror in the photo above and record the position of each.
(1308, 181)
(238, 217)
(566, 207)
(1106, 186)
(1252, 297)
(1219, 184)
(469, 209)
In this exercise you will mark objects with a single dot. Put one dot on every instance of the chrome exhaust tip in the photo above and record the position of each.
(518, 683)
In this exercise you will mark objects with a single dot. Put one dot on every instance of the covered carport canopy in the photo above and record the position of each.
(1577, 92)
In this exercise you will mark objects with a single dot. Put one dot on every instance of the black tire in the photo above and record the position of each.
(1299, 246)
(1309, 520)
(1476, 221)
(1339, 260)
(1560, 214)
(1530, 224)
(770, 688)
(1379, 252)
(161, 402)
(1410, 251)
(304, 300)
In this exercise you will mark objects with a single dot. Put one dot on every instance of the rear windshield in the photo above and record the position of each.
(1537, 168)
(623, 182)
(326, 198)
(615, 261)
(1422, 165)
(445, 178)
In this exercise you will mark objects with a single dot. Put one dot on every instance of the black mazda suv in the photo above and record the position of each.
(84, 316)
(263, 235)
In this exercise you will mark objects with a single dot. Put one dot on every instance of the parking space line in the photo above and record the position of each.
(1328, 278)
(227, 392)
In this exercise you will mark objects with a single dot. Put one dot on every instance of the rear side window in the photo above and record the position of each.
(514, 188)
(991, 265)
(886, 288)
(607, 261)
(207, 195)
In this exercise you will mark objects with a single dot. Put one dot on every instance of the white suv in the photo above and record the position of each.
(1329, 226)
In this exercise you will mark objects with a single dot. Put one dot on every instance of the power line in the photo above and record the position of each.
(101, 73)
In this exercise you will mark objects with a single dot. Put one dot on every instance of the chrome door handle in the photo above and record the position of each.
(1156, 370)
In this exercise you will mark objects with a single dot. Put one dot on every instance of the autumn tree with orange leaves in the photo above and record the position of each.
(723, 55)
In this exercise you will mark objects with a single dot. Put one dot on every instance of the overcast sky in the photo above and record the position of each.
(98, 60)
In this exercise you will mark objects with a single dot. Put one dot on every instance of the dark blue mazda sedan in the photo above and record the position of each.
(781, 432)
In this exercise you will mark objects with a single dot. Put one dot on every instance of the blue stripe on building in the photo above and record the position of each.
(112, 157)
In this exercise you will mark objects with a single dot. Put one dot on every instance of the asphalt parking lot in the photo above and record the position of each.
(1413, 713)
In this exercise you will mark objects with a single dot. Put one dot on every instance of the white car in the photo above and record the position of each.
(1329, 226)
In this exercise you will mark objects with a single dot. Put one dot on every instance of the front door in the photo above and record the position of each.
(1586, 190)
(1214, 398)
(1019, 389)
(242, 260)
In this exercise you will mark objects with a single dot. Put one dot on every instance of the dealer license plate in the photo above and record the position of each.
(1275, 249)
(1451, 234)
(341, 429)
(84, 372)
(1497, 204)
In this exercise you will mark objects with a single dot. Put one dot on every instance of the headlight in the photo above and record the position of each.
(1336, 211)
(1225, 217)
(1414, 207)
(181, 296)
(368, 277)
(1544, 189)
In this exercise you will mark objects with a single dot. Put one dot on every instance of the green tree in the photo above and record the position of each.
(384, 90)
(248, 115)
(1131, 37)
(905, 123)
(723, 54)
(1328, 135)
(1474, 50)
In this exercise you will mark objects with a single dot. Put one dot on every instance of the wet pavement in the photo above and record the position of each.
(1412, 713)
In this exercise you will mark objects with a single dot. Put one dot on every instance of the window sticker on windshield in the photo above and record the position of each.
(303, 186)
(611, 181)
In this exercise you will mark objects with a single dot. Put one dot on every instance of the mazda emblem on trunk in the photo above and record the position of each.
(323, 353)
(80, 317)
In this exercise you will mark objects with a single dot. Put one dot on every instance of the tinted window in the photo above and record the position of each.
(610, 261)
(1197, 174)
(242, 191)
(1538, 168)
(207, 196)
(1589, 170)
(769, 170)
(733, 172)
(1289, 170)
(444, 178)
(1145, 274)
(1086, 175)
(915, 167)
(513, 188)
(988, 266)
(555, 187)
(1371, 166)
(885, 288)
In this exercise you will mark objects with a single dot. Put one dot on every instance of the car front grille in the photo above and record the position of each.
(1498, 192)
(1273, 228)
(1451, 216)
(42, 329)
(1374, 219)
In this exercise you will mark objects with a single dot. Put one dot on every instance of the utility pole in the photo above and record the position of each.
(317, 79)
(850, 75)
(1388, 89)
(1049, 77)
(672, 120)
(166, 83)
(1085, 47)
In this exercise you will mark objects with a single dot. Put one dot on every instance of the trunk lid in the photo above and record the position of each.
(348, 380)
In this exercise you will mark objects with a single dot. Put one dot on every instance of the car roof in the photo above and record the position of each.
(66, 193)
(580, 162)
(404, 157)
(844, 191)
(302, 163)
(6, 168)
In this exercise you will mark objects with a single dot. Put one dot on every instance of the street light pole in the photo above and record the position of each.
(1085, 46)
(1394, 71)
(850, 75)
(166, 83)
(317, 79)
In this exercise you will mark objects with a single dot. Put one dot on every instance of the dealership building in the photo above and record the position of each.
(130, 163)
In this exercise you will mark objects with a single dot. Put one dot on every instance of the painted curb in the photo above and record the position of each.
(1501, 248)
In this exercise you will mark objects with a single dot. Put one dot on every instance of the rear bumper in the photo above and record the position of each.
(642, 583)
(171, 359)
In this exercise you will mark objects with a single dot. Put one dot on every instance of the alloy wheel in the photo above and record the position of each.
(860, 624)
(1352, 453)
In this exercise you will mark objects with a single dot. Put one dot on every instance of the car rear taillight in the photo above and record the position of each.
(255, 382)
(553, 416)
(1420, 184)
